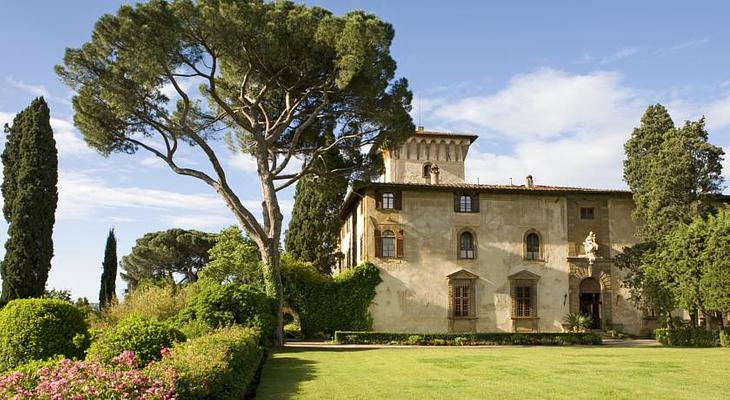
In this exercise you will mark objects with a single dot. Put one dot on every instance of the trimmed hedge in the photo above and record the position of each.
(468, 339)
(142, 336)
(326, 305)
(37, 329)
(220, 365)
(687, 336)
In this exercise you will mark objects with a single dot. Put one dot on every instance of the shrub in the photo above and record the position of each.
(66, 379)
(577, 322)
(161, 303)
(195, 328)
(461, 339)
(292, 331)
(220, 365)
(37, 329)
(223, 305)
(144, 337)
(725, 337)
(687, 336)
(326, 305)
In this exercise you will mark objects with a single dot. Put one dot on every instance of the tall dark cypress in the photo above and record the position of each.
(31, 162)
(107, 294)
(314, 227)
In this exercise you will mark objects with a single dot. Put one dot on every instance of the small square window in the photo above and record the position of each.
(586, 213)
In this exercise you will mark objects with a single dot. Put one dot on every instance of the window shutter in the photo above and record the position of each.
(378, 200)
(472, 298)
(475, 202)
(398, 200)
(451, 298)
(513, 295)
(532, 297)
(456, 202)
(378, 244)
(399, 244)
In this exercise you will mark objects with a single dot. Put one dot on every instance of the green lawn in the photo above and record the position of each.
(498, 373)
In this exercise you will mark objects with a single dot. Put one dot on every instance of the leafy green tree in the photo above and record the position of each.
(108, 291)
(234, 259)
(174, 255)
(646, 291)
(314, 226)
(715, 280)
(30, 162)
(60, 294)
(274, 78)
(671, 171)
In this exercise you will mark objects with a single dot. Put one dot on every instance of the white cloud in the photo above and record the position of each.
(212, 222)
(68, 138)
(545, 104)
(243, 162)
(36, 90)
(619, 55)
(664, 51)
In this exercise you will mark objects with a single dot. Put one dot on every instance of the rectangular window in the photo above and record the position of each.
(388, 201)
(462, 298)
(586, 213)
(523, 301)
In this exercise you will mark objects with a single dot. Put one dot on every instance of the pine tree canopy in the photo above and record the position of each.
(176, 255)
(30, 165)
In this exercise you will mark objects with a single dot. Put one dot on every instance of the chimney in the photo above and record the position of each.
(530, 182)
(435, 175)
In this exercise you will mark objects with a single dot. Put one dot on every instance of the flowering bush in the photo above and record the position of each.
(221, 365)
(76, 380)
(145, 337)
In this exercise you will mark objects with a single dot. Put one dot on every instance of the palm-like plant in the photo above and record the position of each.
(578, 322)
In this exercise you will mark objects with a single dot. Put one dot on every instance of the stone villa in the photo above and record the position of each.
(457, 256)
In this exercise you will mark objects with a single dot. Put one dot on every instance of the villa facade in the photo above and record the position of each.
(457, 257)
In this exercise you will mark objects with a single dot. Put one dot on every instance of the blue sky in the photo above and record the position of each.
(552, 88)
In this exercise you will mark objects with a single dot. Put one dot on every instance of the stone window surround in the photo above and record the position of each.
(461, 276)
(541, 255)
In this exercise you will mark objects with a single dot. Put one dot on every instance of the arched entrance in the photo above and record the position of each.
(590, 301)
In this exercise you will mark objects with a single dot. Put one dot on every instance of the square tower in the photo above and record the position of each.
(426, 151)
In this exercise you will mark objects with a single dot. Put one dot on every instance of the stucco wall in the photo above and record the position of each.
(414, 293)
(622, 233)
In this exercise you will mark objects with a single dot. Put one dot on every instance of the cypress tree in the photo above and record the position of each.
(31, 162)
(107, 294)
(314, 227)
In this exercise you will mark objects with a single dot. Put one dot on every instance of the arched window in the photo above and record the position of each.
(465, 203)
(388, 200)
(466, 245)
(388, 244)
(426, 170)
(532, 246)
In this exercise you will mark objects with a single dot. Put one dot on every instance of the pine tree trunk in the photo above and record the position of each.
(271, 257)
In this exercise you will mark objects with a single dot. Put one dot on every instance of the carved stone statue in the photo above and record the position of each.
(590, 247)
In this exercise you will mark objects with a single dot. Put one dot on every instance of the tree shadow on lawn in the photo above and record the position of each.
(284, 371)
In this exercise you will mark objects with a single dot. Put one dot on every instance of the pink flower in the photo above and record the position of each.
(165, 352)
